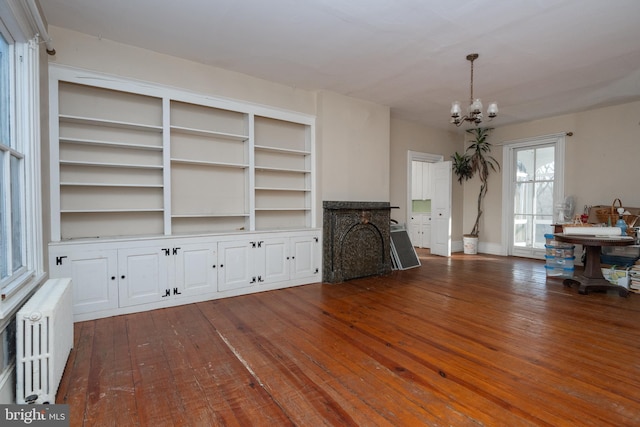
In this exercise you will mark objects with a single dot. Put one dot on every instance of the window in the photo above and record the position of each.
(11, 172)
(533, 182)
(533, 198)
(20, 221)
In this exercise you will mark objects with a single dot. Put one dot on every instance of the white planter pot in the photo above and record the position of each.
(470, 244)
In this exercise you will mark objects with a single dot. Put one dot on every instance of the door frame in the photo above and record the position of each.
(558, 140)
(418, 157)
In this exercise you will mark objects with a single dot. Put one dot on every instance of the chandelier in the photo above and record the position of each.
(474, 110)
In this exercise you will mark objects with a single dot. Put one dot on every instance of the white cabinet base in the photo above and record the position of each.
(121, 276)
(420, 230)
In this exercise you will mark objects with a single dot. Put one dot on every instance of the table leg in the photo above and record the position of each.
(592, 278)
(592, 265)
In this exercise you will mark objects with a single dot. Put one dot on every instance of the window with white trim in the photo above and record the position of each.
(20, 219)
(11, 174)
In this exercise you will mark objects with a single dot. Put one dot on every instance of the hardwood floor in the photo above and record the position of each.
(470, 340)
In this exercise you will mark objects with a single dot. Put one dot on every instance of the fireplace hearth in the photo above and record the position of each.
(356, 240)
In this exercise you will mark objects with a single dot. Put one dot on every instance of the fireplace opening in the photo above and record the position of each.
(356, 239)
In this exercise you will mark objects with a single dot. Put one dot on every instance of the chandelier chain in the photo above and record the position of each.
(471, 95)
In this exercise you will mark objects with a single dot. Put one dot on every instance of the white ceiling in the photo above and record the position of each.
(538, 58)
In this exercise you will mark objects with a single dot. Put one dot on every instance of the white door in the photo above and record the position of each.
(441, 209)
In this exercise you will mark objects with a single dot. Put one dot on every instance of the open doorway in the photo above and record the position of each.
(429, 202)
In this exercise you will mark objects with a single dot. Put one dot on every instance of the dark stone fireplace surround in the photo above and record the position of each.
(356, 240)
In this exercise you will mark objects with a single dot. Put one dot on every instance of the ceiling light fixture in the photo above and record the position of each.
(474, 110)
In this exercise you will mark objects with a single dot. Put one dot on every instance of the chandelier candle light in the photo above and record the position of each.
(474, 110)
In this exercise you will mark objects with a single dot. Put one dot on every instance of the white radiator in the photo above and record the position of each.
(44, 340)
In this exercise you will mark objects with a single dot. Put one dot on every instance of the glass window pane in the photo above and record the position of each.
(16, 213)
(521, 227)
(542, 227)
(545, 163)
(523, 199)
(5, 100)
(4, 246)
(544, 198)
(525, 165)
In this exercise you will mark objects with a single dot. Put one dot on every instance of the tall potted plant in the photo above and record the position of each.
(475, 161)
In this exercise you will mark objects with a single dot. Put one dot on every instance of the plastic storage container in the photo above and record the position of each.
(559, 257)
(559, 272)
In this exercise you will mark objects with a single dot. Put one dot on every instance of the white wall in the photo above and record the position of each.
(354, 153)
(105, 56)
(405, 136)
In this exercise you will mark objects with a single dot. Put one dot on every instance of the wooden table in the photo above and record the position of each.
(592, 278)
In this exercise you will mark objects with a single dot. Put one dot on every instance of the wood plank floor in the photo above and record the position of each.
(465, 341)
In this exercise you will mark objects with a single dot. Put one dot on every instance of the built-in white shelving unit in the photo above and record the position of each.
(283, 177)
(209, 145)
(162, 197)
(178, 162)
(107, 166)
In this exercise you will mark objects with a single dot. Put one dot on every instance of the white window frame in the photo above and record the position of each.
(25, 122)
(509, 147)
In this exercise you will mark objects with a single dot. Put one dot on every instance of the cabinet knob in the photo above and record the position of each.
(122, 277)
(214, 266)
(113, 277)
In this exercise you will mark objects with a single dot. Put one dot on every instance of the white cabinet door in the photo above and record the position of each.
(305, 256)
(420, 230)
(426, 181)
(426, 234)
(235, 265)
(196, 270)
(415, 230)
(142, 275)
(421, 182)
(271, 260)
(416, 180)
(93, 276)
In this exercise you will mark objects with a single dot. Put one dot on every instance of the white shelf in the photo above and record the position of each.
(102, 184)
(110, 210)
(303, 190)
(109, 165)
(229, 215)
(208, 133)
(270, 169)
(282, 209)
(281, 150)
(109, 123)
(110, 144)
(206, 163)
